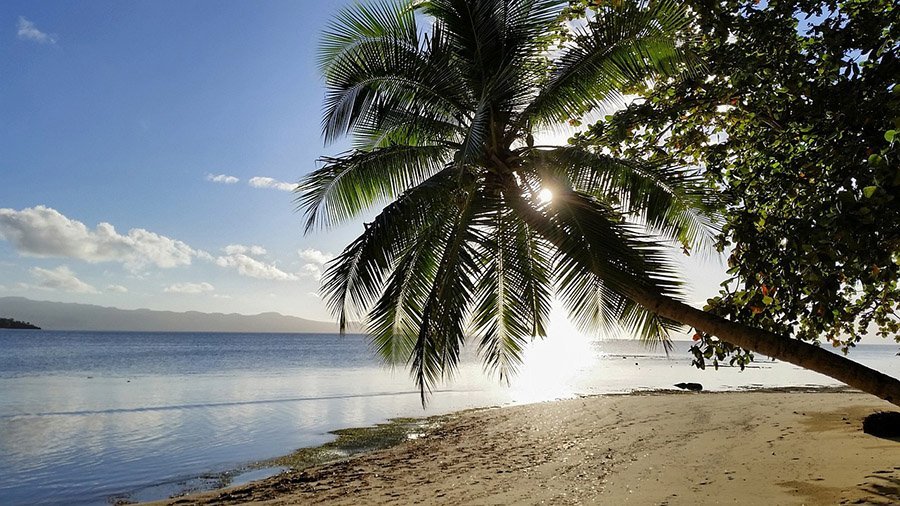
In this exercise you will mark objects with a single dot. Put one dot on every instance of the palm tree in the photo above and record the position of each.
(442, 100)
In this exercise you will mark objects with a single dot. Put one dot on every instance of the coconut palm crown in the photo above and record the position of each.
(442, 100)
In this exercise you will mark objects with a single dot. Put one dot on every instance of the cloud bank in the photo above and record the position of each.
(45, 232)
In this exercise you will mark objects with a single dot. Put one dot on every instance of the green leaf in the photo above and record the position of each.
(868, 191)
(767, 300)
(889, 135)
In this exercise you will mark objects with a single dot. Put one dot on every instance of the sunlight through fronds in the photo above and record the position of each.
(545, 196)
(482, 228)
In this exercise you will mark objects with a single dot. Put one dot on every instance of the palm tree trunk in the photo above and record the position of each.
(783, 348)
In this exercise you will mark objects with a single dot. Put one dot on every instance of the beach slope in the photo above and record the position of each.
(653, 448)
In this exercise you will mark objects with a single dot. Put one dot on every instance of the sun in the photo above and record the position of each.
(544, 196)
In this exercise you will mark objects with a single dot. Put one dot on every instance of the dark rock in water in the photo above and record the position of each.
(883, 424)
(693, 387)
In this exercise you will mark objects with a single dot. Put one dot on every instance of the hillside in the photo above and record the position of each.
(69, 316)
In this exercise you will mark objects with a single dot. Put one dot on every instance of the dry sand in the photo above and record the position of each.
(659, 448)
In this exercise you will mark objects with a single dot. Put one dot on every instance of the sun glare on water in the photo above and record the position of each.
(552, 365)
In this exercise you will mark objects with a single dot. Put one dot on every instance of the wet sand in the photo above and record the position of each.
(655, 448)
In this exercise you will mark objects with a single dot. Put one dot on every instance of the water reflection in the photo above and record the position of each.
(77, 428)
(552, 367)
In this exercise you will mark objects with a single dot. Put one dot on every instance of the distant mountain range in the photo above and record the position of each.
(68, 316)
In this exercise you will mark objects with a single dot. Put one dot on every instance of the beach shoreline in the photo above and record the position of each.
(776, 446)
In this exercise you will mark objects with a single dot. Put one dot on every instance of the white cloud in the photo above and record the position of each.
(27, 31)
(234, 249)
(61, 278)
(312, 270)
(268, 182)
(315, 262)
(222, 178)
(315, 256)
(44, 232)
(238, 256)
(192, 288)
(116, 289)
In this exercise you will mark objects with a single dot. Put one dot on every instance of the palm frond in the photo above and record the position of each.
(514, 291)
(349, 184)
(393, 127)
(441, 332)
(394, 321)
(619, 45)
(354, 279)
(496, 45)
(388, 71)
(361, 23)
(476, 134)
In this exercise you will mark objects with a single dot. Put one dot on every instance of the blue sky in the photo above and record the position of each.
(145, 150)
(119, 113)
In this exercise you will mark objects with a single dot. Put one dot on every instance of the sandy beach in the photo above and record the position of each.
(798, 447)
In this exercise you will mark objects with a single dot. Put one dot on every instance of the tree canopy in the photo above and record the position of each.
(794, 120)
(9, 323)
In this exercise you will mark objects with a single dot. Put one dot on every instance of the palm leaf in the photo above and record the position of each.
(355, 25)
(346, 185)
(354, 279)
(513, 301)
(620, 45)
(441, 332)
(394, 321)
(385, 68)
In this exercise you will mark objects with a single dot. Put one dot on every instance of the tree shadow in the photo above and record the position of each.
(887, 487)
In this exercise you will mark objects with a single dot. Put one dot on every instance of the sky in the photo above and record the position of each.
(148, 150)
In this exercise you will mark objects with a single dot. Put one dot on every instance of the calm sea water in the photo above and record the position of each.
(85, 417)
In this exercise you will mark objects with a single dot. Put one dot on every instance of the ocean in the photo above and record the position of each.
(95, 417)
